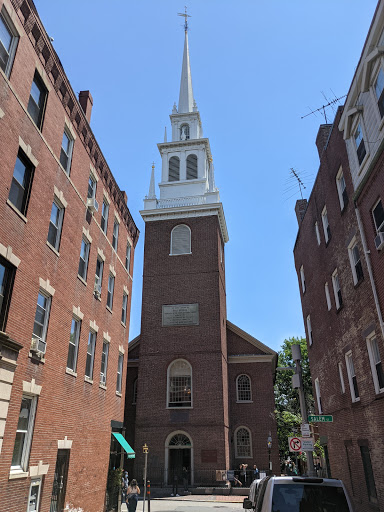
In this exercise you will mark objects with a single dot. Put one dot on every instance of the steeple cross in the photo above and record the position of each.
(185, 16)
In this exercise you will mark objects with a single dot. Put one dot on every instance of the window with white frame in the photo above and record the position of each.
(309, 329)
(352, 377)
(115, 235)
(34, 495)
(184, 132)
(360, 144)
(55, 224)
(124, 309)
(192, 167)
(119, 379)
(317, 231)
(73, 344)
(356, 266)
(111, 286)
(341, 189)
(24, 433)
(7, 276)
(179, 384)
(340, 366)
(40, 325)
(66, 150)
(302, 277)
(174, 168)
(8, 42)
(243, 388)
(91, 194)
(318, 396)
(90, 354)
(84, 256)
(128, 256)
(337, 289)
(378, 216)
(379, 89)
(328, 296)
(21, 185)
(326, 226)
(243, 445)
(104, 215)
(104, 363)
(99, 275)
(181, 240)
(37, 100)
(376, 366)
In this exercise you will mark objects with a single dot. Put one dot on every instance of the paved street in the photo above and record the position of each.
(193, 504)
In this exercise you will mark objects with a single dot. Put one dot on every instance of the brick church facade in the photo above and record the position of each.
(199, 389)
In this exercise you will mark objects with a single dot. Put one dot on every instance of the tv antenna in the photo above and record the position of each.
(185, 16)
(322, 109)
(295, 175)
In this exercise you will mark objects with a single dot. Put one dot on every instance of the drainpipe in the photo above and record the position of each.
(367, 255)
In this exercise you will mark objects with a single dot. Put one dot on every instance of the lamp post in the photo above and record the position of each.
(145, 451)
(269, 444)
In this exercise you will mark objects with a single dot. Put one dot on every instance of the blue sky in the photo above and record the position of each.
(257, 67)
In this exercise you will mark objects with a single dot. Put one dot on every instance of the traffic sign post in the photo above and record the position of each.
(294, 444)
(301, 444)
(320, 418)
(305, 430)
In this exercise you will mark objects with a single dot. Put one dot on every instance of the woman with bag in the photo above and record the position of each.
(133, 492)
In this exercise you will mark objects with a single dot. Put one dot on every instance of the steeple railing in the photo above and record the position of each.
(177, 202)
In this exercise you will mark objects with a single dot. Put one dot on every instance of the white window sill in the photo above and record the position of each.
(102, 386)
(81, 279)
(244, 401)
(70, 372)
(362, 165)
(33, 356)
(124, 325)
(354, 400)
(97, 297)
(181, 254)
(88, 379)
(17, 473)
(109, 309)
(118, 394)
(179, 408)
(53, 249)
(18, 212)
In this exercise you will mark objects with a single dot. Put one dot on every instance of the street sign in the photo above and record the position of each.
(320, 418)
(300, 444)
(305, 430)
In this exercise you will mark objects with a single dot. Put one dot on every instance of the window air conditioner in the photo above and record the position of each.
(38, 345)
(379, 241)
(97, 287)
(92, 204)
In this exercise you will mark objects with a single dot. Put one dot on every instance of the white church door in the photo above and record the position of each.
(178, 455)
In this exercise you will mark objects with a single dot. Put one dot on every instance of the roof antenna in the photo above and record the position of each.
(322, 109)
(185, 16)
(301, 184)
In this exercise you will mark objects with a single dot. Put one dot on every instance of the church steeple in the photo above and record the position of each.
(186, 100)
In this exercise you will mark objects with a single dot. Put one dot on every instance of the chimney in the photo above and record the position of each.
(300, 209)
(322, 137)
(86, 102)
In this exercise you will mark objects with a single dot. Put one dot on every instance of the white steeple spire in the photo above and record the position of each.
(186, 101)
(152, 193)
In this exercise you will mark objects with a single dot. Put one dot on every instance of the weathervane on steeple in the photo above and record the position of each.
(185, 16)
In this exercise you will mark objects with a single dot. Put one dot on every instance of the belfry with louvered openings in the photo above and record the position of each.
(199, 389)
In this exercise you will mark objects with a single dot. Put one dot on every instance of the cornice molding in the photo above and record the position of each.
(251, 358)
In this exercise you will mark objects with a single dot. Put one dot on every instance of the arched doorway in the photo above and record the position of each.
(178, 455)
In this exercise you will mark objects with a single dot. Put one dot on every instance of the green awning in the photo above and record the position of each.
(120, 438)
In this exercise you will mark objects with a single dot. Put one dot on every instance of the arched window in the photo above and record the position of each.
(134, 391)
(243, 387)
(179, 384)
(184, 132)
(243, 446)
(181, 240)
(191, 167)
(174, 168)
(180, 440)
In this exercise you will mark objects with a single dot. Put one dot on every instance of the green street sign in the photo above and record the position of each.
(320, 418)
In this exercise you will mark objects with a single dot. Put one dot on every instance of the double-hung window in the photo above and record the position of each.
(360, 144)
(378, 216)
(115, 235)
(340, 366)
(354, 257)
(34, 495)
(302, 277)
(8, 42)
(104, 363)
(21, 183)
(84, 256)
(318, 396)
(128, 257)
(119, 373)
(341, 189)
(40, 325)
(309, 329)
(24, 433)
(124, 309)
(111, 286)
(66, 151)
(104, 215)
(73, 344)
(379, 89)
(90, 354)
(337, 289)
(326, 226)
(376, 365)
(99, 275)
(7, 275)
(327, 296)
(368, 473)
(91, 194)
(55, 224)
(317, 231)
(352, 377)
(37, 100)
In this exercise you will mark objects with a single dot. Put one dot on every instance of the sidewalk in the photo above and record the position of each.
(196, 498)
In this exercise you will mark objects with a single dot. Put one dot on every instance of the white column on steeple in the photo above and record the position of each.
(186, 101)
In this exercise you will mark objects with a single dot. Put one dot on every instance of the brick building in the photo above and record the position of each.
(344, 323)
(199, 389)
(65, 281)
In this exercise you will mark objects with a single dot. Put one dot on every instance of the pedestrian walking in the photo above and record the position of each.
(124, 486)
(175, 487)
(133, 492)
(256, 472)
(185, 478)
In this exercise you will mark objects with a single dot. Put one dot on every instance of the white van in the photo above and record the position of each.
(297, 494)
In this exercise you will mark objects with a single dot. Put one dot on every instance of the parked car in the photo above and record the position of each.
(298, 494)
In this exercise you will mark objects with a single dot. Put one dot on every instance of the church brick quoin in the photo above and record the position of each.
(336, 332)
(67, 406)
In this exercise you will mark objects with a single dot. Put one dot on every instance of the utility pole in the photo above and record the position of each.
(145, 451)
